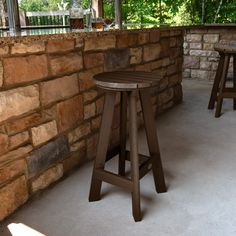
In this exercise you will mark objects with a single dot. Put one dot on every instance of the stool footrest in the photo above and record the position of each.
(114, 179)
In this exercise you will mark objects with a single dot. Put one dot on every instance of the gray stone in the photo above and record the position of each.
(191, 62)
(116, 59)
(47, 155)
(203, 53)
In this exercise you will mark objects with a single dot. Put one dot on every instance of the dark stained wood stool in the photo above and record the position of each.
(129, 84)
(226, 49)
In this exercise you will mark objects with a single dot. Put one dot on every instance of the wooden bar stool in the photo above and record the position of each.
(219, 91)
(129, 84)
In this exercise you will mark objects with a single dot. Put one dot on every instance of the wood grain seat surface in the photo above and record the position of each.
(126, 80)
(226, 46)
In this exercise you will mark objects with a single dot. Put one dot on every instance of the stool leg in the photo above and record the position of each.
(216, 83)
(152, 140)
(123, 124)
(234, 78)
(134, 157)
(103, 142)
(222, 86)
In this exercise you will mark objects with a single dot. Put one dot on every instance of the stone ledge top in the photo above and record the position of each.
(33, 35)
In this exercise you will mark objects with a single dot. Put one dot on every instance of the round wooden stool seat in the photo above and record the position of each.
(126, 80)
(226, 46)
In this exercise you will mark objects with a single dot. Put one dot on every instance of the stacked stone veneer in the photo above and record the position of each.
(200, 58)
(50, 110)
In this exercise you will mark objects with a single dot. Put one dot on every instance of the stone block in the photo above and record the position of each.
(151, 52)
(18, 139)
(186, 73)
(85, 78)
(16, 154)
(79, 42)
(205, 65)
(89, 111)
(18, 101)
(19, 125)
(76, 159)
(173, 42)
(48, 177)
(99, 105)
(70, 112)
(211, 38)
(3, 143)
(58, 89)
(127, 40)
(90, 95)
(97, 43)
(144, 67)
(136, 55)
(191, 62)
(44, 132)
(51, 153)
(80, 132)
(143, 38)
(66, 63)
(195, 45)
(4, 50)
(96, 122)
(165, 47)
(200, 74)
(174, 80)
(194, 38)
(165, 96)
(203, 53)
(11, 170)
(116, 59)
(21, 48)
(30, 68)
(155, 36)
(208, 46)
(12, 196)
(77, 146)
(1, 74)
(60, 45)
(93, 59)
(92, 143)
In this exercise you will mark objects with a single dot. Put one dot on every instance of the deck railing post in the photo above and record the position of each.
(13, 15)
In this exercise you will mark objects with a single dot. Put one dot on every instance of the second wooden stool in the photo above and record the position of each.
(129, 84)
(226, 49)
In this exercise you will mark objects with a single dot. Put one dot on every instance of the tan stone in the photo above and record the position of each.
(18, 139)
(16, 154)
(92, 146)
(96, 43)
(18, 101)
(145, 67)
(174, 79)
(48, 177)
(136, 55)
(3, 143)
(19, 48)
(24, 69)
(89, 110)
(154, 36)
(96, 122)
(19, 125)
(44, 132)
(196, 38)
(211, 38)
(11, 170)
(127, 40)
(151, 52)
(143, 38)
(12, 196)
(79, 42)
(90, 95)
(60, 45)
(173, 42)
(1, 74)
(4, 50)
(195, 45)
(85, 78)
(58, 89)
(79, 132)
(165, 96)
(76, 159)
(77, 146)
(99, 105)
(93, 59)
(65, 64)
(208, 46)
(70, 112)
(200, 74)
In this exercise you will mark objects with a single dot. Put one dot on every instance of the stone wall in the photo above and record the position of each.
(50, 110)
(200, 58)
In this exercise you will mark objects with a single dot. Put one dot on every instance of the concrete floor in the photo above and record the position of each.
(199, 159)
